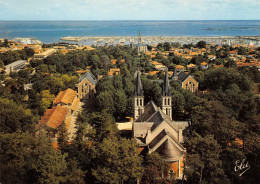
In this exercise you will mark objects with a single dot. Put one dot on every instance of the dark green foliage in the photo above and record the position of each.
(98, 154)
(242, 51)
(29, 52)
(36, 62)
(27, 159)
(105, 156)
(201, 44)
(14, 117)
(252, 72)
(217, 121)
(222, 78)
(120, 100)
(155, 169)
(116, 161)
(152, 91)
(203, 164)
(12, 56)
(104, 125)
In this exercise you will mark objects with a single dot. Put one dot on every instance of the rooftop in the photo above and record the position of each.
(53, 117)
(65, 97)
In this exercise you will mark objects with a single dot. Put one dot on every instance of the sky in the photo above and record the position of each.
(129, 9)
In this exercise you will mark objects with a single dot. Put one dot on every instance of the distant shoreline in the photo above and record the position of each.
(53, 31)
(153, 40)
(120, 20)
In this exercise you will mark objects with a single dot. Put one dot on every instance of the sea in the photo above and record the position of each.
(52, 31)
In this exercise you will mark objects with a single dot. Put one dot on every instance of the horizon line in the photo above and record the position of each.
(147, 20)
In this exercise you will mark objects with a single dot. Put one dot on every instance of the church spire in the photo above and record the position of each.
(139, 87)
(139, 97)
(140, 37)
(166, 97)
(166, 88)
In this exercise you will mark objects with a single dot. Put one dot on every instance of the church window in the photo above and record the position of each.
(168, 101)
(141, 102)
(137, 102)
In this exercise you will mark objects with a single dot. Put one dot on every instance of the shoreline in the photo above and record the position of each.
(182, 37)
(152, 40)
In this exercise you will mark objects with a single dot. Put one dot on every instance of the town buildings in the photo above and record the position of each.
(86, 86)
(140, 46)
(64, 110)
(44, 54)
(187, 82)
(15, 66)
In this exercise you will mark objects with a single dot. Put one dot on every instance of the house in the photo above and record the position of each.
(212, 57)
(113, 61)
(64, 110)
(86, 86)
(154, 129)
(180, 67)
(204, 66)
(52, 120)
(15, 66)
(114, 71)
(187, 81)
(191, 66)
(233, 52)
(67, 98)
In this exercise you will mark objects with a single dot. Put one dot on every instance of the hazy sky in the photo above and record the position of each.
(129, 9)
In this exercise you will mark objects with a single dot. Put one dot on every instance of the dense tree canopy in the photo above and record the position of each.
(219, 120)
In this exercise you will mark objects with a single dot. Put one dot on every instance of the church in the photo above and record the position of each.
(140, 46)
(154, 127)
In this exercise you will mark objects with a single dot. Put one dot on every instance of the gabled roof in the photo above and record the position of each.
(149, 109)
(53, 117)
(154, 114)
(167, 146)
(75, 104)
(88, 75)
(182, 76)
(65, 97)
(170, 151)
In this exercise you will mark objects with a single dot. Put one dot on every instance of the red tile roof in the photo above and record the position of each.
(53, 117)
(65, 97)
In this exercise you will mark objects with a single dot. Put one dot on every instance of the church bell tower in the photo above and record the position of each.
(166, 97)
(139, 97)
